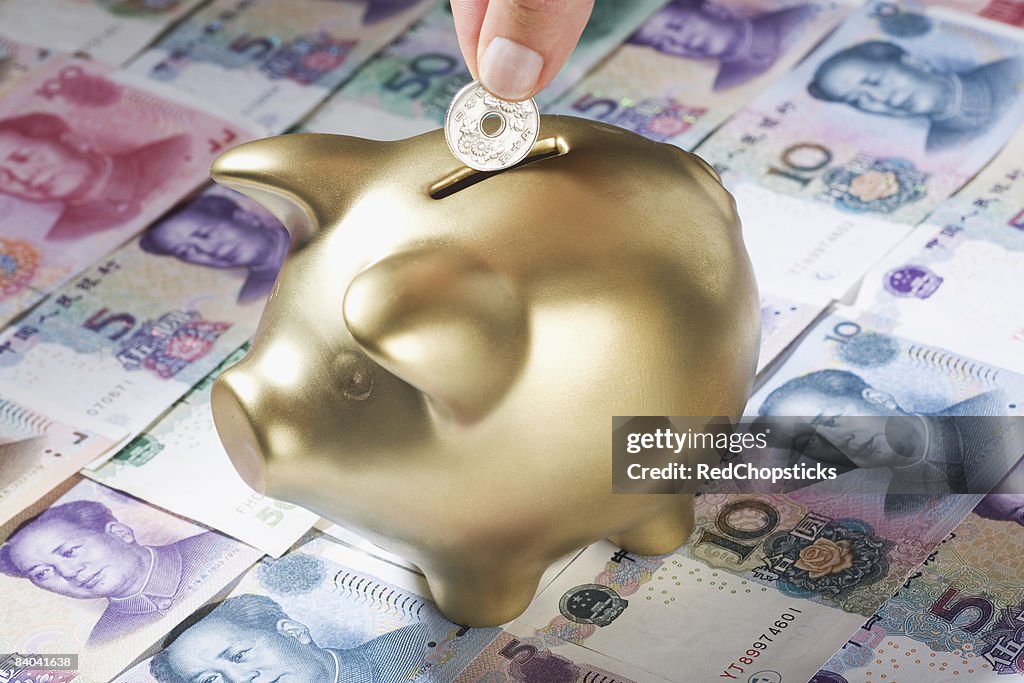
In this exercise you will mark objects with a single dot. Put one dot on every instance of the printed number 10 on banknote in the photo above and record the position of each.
(890, 115)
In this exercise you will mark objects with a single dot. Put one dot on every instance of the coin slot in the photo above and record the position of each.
(467, 177)
(492, 124)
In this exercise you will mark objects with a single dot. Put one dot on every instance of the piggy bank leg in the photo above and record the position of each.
(661, 533)
(480, 596)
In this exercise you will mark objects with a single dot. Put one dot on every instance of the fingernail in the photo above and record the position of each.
(508, 69)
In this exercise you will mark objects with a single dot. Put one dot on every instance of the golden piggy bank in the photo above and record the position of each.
(442, 354)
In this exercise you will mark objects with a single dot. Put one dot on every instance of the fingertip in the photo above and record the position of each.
(469, 17)
(531, 41)
(509, 69)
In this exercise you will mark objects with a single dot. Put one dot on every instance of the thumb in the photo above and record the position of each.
(522, 43)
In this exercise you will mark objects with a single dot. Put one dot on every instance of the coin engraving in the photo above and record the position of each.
(487, 133)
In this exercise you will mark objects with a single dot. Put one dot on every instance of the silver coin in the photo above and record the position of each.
(488, 133)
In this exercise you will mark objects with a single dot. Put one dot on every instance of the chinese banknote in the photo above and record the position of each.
(876, 154)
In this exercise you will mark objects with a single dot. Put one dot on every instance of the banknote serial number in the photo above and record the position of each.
(763, 642)
(14, 662)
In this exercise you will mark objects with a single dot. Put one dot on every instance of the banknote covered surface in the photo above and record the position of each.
(960, 616)
(958, 270)
(692, 64)
(947, 421)
(137, 330)
(271, 62)
(161, 465)
(110, 31)
(85, 163)
(655, 613)
(842, 548)
(417, 76)
(522, 654)
(808, 250)
(890, 115)
(103, 575)
(321, 613)
(38, 451)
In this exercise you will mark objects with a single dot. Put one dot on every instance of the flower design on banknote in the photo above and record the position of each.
(659, 120)
(592, 603)
(191, 341)
(307, 59)
(875, 185)
(626, 574)
(544, 666)
(848, 658)
(561, 628)
(846, 556)
(293, 574)
(18, 263)
(824, 557)
(870, 350)
(166, 345)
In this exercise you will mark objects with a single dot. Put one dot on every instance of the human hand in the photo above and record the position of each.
(516, 47)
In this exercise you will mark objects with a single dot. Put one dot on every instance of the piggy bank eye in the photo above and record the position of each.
(355, 374)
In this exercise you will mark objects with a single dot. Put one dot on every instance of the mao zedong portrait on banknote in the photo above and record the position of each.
(215, 232)
(80, 550)
(251, 637)
(744, 46)
(42, 160)
(881, 77)
(1006, 502)
(862, 426)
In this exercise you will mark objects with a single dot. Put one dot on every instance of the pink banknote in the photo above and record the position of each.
(87, 161)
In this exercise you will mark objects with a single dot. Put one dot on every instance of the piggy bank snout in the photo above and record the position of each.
(262, 417)
(233, 415)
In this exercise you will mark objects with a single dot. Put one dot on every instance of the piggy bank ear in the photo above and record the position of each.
(303, 179)
(443, 321)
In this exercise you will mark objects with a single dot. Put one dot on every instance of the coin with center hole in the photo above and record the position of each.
(488, 133)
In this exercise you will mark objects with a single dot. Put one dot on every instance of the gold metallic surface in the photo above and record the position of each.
(440, 359)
